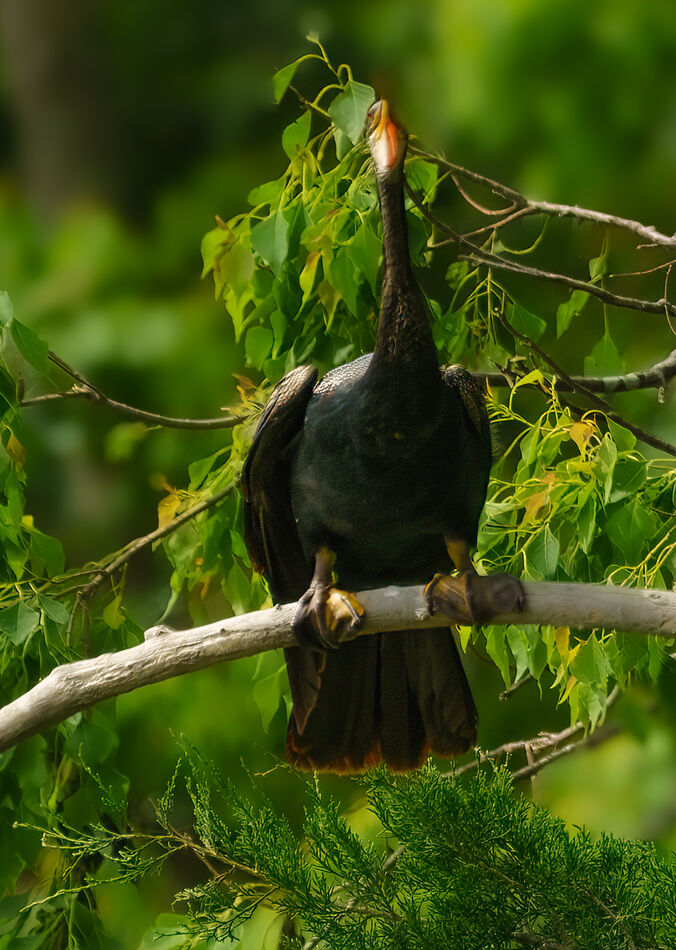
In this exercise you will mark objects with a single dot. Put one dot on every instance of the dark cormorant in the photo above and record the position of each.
(378, 473)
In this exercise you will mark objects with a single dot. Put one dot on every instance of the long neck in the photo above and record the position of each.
(404, 333)
(395, 234)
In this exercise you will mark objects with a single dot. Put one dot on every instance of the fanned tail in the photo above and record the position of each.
(393, 697)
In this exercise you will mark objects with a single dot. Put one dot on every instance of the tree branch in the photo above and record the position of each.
(83, 389)
(546, 747)
(480, 256)
(595, 400)
(121, 558)
(166, 653)
(519, 202)
(654, 378)
(662, 307)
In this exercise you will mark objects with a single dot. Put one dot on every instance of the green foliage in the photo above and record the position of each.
(457, 863)
(572, 498)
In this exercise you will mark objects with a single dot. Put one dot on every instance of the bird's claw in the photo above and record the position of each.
(472, 598)
(327, 616)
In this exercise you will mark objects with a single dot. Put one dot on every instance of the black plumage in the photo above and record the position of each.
(379, 471)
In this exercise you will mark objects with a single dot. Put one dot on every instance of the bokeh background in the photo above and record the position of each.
(124, 127)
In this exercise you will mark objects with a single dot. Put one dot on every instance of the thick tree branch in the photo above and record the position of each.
(654, 378)
(166, 653)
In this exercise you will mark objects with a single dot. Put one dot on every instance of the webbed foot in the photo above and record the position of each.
(326, 616)
(473, 598)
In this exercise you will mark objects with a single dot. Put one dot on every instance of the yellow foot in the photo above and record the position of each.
(474, 598)
(326, 616)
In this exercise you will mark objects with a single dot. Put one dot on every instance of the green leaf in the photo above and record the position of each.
(629, 476)
(281, 80)
(296, 135)
(33, 349)
(623, 438)
(6, 310)
(113, 614)
(586, 524)
(365, 249)
(279, 325)
(268, 193)
(19, 622)
(566, 311)
(423, 176)
(604, 359)
(49, 551)
(234, 269)
(348, 110)
(519, 645)
(631, 529)
(497, 651)
(54, 609)
(598, 266)
(343, 144)
(542, 555)
(211, 247)
(528, 323)
(590, 664)
(270, 239)
(342, 274)
(257, 345)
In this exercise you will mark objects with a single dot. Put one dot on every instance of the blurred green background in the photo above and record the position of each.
(124, 127)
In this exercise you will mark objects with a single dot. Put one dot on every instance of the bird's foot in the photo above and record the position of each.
(473, 598)
(326, 616)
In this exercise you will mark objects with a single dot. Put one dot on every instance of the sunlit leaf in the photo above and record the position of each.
(348, 110)
(270, 239)
(281, 80)
(257, 345)
(296, 135)
(31, 346)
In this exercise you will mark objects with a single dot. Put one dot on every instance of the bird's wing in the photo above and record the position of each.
(473, 399)
(270, 530)
(269, 527)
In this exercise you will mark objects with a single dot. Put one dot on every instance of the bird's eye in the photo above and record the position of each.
(373, 116)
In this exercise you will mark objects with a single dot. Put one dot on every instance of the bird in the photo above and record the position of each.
(376, 475)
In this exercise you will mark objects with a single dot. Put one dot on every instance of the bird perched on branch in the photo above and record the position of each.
(376, 475)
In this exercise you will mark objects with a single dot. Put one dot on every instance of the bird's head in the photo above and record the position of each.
(387, 139)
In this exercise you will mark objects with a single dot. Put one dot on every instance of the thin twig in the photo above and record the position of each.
(601, 404)
(84, 389)
(480, 256)
(86, 592)
(647, 233)
(514, 687)
(662, 307)
(545, 747)
(596, 738)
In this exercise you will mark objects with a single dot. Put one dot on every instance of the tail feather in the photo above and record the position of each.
(391, 697)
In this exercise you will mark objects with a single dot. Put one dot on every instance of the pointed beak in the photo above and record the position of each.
(384, 135)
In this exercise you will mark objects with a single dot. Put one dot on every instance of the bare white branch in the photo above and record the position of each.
(166, 653)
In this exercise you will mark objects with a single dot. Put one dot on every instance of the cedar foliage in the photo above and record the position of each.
(461, 863)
